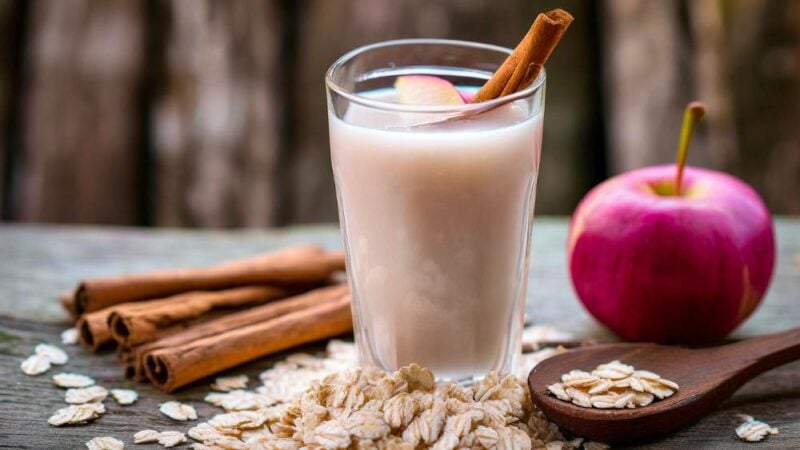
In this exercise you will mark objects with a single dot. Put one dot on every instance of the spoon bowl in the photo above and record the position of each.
(706, 377)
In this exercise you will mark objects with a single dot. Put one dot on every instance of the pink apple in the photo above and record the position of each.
(653, 266)
(426, 90)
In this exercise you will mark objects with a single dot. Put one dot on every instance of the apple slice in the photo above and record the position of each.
(426, 90)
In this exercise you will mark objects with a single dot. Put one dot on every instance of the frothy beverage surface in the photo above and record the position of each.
(437, 222)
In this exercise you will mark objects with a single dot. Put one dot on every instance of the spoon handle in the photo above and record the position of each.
(767, 352)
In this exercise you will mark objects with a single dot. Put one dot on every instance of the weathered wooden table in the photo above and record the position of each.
(38, 263)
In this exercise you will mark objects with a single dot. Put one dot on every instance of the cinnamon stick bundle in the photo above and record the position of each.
(133, 358)
(299, 265)
(523, 65)
(139, 322)
(195, 354)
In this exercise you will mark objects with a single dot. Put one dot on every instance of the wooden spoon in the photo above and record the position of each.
(706, 376)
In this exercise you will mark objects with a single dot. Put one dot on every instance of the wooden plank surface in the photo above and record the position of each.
(40, 262)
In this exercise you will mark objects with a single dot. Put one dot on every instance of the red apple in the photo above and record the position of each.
(656, 266)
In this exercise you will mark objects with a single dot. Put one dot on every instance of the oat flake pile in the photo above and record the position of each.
(349, 407)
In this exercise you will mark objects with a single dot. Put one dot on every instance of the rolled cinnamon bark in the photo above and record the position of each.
(298, 265)
(140, 322)
(93, 331)
(526, 61)
(200, 351)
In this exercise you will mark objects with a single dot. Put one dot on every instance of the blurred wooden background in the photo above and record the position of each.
(211, 113)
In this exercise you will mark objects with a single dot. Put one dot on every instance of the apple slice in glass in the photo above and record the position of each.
(426, 90)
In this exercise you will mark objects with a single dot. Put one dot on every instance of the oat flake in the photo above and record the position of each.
(53, 353)
(105, 443)
(76, 414)
(203, 432)
(145, 436)
(72, 380)
(227, 384)
(124, 396)
(238, 400)
(178, 411)
(89, 394)
(171, 438)
(69, 336)
(35, 365)
(753, 430)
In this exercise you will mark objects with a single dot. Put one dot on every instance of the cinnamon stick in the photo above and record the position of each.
(523, 65)
(197, 353)
(135, 323)
(93, 331)
(301, 265)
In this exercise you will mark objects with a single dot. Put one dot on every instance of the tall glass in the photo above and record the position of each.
(435, 206)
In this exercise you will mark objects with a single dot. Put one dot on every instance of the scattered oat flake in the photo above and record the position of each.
(105, 443)
(145, 436)
(76, 414)
(178, 411)
(72, 380)
(203, 432)
(53, 353)
(69, 336)
(753, 430)
(238, 400)
(77, 396)
(35, 365)
(227, 384)
(171, 438)
(125, 396)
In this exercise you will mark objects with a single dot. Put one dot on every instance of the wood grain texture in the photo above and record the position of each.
(216, 116)
(49, 260)
(572, 140)
(82, 126)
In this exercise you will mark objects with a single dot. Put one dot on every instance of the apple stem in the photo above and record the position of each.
(691, 117)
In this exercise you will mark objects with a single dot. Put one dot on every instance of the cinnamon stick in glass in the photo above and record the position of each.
(217, 345)
(136, 323)
(523, 65)
(298, 265)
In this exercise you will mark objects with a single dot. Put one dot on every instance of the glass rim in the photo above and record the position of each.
(390, 106)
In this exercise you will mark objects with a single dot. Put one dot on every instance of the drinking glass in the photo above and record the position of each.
(435, 206)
